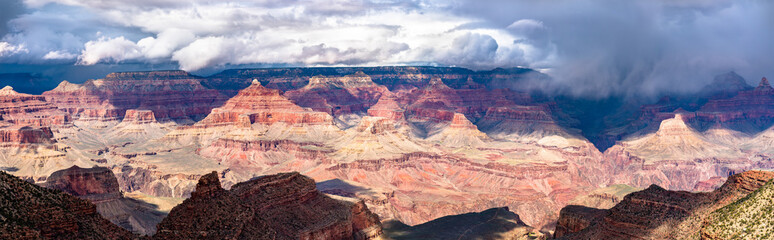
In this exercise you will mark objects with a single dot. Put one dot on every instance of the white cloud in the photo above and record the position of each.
(109, 50)
(59, 55)
(206, 52)
(9, 49)
(526, 24)
(165, 43)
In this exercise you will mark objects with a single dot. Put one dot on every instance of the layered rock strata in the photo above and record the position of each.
(171, 95)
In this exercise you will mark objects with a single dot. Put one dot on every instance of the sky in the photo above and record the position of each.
(594, 48)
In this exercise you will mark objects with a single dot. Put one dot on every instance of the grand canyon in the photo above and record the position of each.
(386, 119)
(388, 147)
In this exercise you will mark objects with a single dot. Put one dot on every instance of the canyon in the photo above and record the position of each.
(411, 144)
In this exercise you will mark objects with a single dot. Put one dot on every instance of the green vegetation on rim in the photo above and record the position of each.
(751, 217)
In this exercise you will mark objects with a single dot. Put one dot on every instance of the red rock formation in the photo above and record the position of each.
(25, 135)
(460, 121)
(171, 95)
(252, 156)
(338, 95)
(661, 214)
(27, 118)
(139, 116)
(26, 109)
(520, 122)
(574, 218)
(748, 111)
(33, 212)
(282, 206)
(676, 157)
(387, 107)
(426, 186)
(95, 184)
(257, 104)
(474, 103)
(100, 186)
(709, 184)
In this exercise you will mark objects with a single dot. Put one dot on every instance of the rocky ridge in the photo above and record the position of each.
(495, 223)
(282, 206)
(659, 213)
(33, 212)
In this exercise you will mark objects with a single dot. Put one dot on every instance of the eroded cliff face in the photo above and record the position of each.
(748, 111)
(29, 110)
(658, 213)
(171, 95)
(282, 206)
(27, 118)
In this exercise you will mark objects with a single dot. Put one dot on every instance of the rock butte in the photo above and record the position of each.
(258, 104)
(100, 186)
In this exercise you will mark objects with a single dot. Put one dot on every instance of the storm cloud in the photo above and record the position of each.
(593, 48)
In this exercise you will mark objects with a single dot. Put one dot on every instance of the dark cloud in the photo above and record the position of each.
(9, 9)
(643, 48)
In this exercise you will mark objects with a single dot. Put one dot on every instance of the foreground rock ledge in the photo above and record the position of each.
(281, 206)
